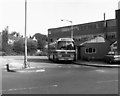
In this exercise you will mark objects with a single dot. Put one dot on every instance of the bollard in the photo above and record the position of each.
(8, 68)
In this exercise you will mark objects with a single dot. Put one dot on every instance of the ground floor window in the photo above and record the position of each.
(90, 50)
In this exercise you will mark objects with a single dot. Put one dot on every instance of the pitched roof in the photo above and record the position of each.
(95, 40)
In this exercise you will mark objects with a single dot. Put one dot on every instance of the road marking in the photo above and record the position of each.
(60, 66)
(108, 81)
(40, 70)
(29, 88)
(19, 89)
(100, 70)
(55, 85)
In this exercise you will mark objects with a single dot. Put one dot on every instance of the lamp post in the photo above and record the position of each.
(25, 56)
(71, 34)
(71, 26)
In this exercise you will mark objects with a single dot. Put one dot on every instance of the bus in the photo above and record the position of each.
(62, 49)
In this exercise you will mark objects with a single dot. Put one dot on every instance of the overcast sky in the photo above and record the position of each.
(45, 14)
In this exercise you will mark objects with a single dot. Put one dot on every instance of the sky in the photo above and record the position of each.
(45, 14)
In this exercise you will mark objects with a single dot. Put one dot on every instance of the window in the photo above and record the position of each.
(51, 40)
(86, 50)
(111, 35)
(94, 50)
(90, 50)
(92, 26)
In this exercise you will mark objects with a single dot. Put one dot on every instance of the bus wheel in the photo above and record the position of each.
(110, 61)
(54, 58)
(49, 58)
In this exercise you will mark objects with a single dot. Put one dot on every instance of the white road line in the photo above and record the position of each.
(29, 88)
(19, 89)
(100, 70)
(54, 85)
(40, 70)
(108, 81)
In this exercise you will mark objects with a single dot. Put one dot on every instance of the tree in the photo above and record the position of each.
(13, 33)
(41, 40)
(0, 41)
(5, 40)
(31, 46)
(19, 46)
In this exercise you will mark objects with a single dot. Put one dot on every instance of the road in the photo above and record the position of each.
(58, 78)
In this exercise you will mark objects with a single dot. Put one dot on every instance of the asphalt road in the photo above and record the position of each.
(53, 78)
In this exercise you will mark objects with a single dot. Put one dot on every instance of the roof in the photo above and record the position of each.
(13, 37)
(65, 39)
(82, 24)
(95, 40)
(114, 45)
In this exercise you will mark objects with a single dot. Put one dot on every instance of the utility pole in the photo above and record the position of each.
(105, 25)
(25, 55)
(71, 29)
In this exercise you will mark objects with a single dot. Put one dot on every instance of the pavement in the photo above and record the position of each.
(79, 62)
(22, 69)
(96, 64)
(18, 66)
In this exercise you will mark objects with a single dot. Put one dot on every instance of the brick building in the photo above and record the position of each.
(85, 32)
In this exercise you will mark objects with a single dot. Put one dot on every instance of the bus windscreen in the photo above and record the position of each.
(66, 45)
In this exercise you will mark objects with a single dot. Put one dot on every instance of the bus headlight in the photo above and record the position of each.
(72, 56)
(59, 55)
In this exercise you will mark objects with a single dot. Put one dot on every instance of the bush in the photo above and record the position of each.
(19, 46)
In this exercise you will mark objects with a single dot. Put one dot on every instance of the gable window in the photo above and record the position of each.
(90, 50)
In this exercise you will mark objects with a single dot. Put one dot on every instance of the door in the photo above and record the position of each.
(78, 52)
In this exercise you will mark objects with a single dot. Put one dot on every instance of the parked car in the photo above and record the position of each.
(2, 54)
(111, 57)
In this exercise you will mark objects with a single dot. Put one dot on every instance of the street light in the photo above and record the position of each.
(25, 56)
(71, 26)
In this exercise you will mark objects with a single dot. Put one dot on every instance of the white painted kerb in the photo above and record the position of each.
(15, 65)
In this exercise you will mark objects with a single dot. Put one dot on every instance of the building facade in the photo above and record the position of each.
(85, 32)
(118, 29)
(94, 49)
